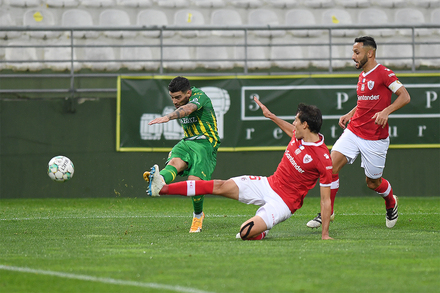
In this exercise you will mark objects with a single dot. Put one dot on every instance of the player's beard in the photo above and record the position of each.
(362, 62)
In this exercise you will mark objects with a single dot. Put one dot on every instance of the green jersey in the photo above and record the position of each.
(202, 123)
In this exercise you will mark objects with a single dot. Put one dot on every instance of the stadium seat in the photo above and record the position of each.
(354, 3)
(22, 54)
(288, 52)
(226, 17)
(247, 3)
(172, 129)
(335, 17)
(40, 17)
(387, 53)
(215, 53)
(427, 3)
(319, 3)
(105, 54)
(321, 52)
(62, 3)
(411, 16)
(151, 132)
(180, 54)
(77, 17)
(98, 3)
(283, 3)
(133, 54)
(265, 17)
(24, 3)
(259, 52)
(432, 54)
(302, 17)
(7, 20)
(390, 3)
(209, 3)
(58, 54)
(173, 3)
(374, 16)
(135, 3)
(153, 17)
(190, 17)
(435, 18)
(114, 17)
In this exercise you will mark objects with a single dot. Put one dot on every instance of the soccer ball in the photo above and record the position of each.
(60, 168)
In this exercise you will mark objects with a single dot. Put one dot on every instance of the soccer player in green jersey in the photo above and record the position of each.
(195, 155)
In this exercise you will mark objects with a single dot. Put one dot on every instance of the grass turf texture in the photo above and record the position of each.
(143, 245)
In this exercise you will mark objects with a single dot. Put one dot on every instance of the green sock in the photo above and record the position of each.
(198, 203)
(169, 173)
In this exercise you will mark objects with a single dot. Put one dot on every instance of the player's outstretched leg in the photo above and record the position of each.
(156, 181)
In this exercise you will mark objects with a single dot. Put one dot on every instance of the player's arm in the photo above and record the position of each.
(326, 210)
(284, 125)
(180, 112)
(403, 98)
(346, 118)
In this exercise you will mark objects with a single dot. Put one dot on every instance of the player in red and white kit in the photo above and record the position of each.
(306, 159)
(367, 131)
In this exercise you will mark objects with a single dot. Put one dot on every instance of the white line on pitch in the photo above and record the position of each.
(102, 280)
(208, 216)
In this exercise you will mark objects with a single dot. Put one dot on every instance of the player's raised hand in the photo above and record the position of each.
(265, 110)
(163, 119)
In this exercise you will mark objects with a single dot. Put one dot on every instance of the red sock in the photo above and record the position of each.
(258, 237)
(189, 188)
(386, 191)
(334, 189)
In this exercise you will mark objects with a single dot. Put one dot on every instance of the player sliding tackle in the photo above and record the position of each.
(306, 159)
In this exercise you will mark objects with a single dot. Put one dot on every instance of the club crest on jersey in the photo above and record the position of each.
(307, 159)
(370, 84)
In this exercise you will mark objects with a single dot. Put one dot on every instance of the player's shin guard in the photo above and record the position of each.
(386, 192)
(168, 173)
(334, 189)
(198, 203)
(189, 188)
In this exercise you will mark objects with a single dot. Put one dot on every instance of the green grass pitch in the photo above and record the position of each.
(143, 245)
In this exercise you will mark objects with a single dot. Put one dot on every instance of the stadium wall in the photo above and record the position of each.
(33, 131)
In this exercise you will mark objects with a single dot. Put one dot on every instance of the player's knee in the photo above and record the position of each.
(373, 183)
(245, 230)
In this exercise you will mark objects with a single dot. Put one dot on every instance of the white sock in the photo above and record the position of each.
(198, 216)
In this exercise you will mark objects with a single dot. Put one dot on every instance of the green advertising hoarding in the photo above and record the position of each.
(241, 124)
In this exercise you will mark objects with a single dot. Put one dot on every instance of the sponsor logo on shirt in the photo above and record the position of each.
(195, 101)
(369, 98)
(292, 161)
(187, 120)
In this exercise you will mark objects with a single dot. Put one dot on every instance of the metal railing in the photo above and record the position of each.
(327, 40)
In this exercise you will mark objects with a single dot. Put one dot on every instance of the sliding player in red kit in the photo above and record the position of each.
(367, 130)
(306, 159)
